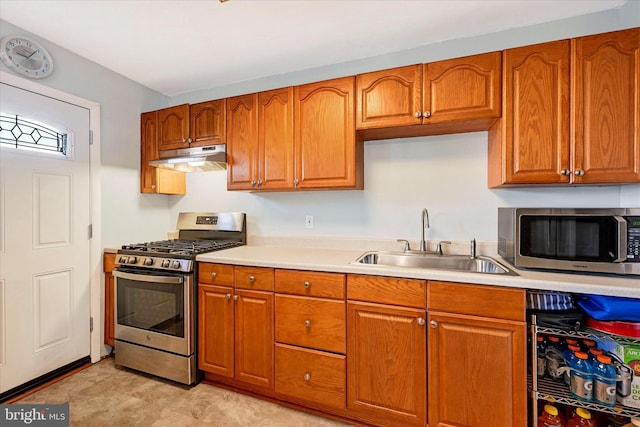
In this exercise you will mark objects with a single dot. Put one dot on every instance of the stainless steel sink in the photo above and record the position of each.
(480, 264)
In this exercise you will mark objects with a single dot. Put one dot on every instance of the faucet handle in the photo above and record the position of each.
(407, 246)
(439, 247)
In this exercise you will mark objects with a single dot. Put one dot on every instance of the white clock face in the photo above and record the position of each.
(26, 57)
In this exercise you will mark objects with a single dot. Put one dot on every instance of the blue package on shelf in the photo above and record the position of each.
(602, 307)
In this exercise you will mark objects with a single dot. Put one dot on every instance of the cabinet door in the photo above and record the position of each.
(254, 341)
(389, 97)
(606, 107)
(152, 179)
(109, 325)
(462, 88)
(386, 364)
(275, 139)
(326, 155)
(530, 144)
(215, 330)
(208, 123)
(242, 142)
(477, 371)
(173, 127)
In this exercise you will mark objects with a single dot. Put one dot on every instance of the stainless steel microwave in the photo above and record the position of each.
(575, 239)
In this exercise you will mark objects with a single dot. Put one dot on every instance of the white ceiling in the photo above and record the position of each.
(182, 46)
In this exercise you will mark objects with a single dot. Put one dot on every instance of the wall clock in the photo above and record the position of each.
(26, 56)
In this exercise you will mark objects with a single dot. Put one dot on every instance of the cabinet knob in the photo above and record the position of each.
(259, 183)
(417, 114)
(184, 140)
(235, 297)
(579, 172)
(189, 140)
(421, 321)
(213, 274)
(251, 278)
(307, 323)
(433, 324)
(426, 114)
(307, 376)
(228, 296)
(153, 187)
(296, 182)
(307, 285)
(565, 172)
(253, 183)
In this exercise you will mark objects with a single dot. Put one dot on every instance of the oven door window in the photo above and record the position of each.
(572, 238)
(157, 307)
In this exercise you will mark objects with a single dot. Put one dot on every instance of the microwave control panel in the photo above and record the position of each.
(633, 238)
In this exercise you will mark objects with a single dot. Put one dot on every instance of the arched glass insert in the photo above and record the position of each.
(24, 133)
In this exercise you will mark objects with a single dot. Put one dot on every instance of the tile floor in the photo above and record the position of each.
(109, 395)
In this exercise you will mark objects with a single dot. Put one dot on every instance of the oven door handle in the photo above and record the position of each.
(146, 278)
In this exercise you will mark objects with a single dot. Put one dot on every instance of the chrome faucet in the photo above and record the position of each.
(423, 242)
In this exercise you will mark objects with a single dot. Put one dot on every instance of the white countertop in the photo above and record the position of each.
(338, 260)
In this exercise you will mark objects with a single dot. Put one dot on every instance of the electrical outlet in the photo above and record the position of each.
(308, 221)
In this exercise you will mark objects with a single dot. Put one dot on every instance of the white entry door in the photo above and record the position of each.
(44, 239)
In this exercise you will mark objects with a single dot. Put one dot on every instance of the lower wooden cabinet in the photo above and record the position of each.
(108, 261)
(236, 334)
(477, 364)
(387, 364)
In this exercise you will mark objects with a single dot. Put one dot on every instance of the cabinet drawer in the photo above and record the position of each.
(311, 322)
(215, 274)
(256, 278)
(477, 300)
(310, 283)
(311, 375)
(387, 290)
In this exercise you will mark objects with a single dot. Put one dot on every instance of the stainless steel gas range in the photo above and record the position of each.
(156, 296)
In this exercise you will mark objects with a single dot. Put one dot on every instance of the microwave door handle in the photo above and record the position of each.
(622, 235)
(146, 278)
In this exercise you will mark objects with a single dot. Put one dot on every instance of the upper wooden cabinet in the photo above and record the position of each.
(605, 89)
(242, 142)
(193, 125)
(152, 179)
(260, 158)
(453, 90)
(327, 153)
(561, 126)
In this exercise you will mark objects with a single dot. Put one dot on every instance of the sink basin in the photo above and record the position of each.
(481, 264)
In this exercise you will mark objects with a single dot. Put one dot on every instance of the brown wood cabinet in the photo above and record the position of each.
(327, 152)
(386, 350)
(454, 90)
(311, 337)
(173, 127)
(262, 157)
(477, 356)
(570, 113)
(236, 334)
(152, 179)
(108, 261)
(207, 123)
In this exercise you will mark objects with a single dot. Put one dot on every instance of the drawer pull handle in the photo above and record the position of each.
(307, 377)
(213, 275)
(251, 278)
(433, 324)
(228, 296)
(307, 285)
(307, 323)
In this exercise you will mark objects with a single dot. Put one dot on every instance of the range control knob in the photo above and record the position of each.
(175, 264)
(123, 259)
(148, 261)
(166, 263)
(133, 259)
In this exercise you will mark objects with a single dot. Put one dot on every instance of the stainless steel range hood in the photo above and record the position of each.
(193, 159)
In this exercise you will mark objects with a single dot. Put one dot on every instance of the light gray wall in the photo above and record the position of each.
(127, 215)
(446, 174)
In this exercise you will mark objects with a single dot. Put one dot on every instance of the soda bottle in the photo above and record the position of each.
(604, 382)
(569, 357)
(581, 384)
(581, 418)
(593, 355)
(550, 417)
